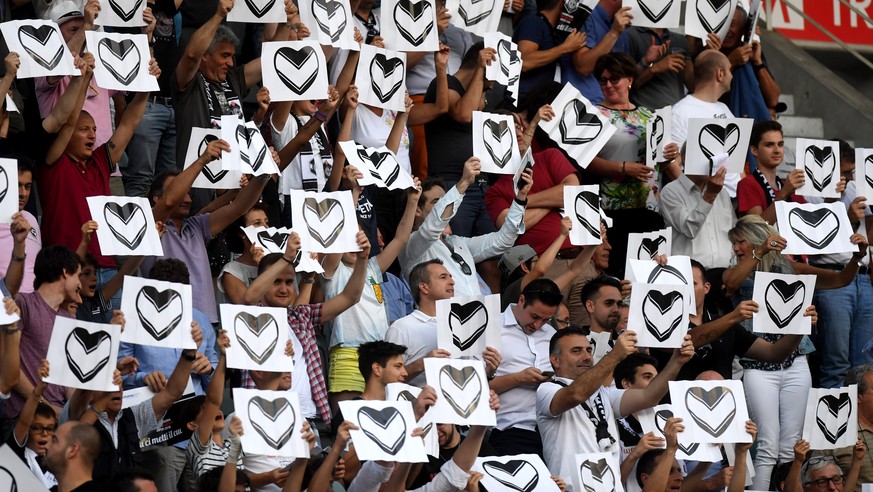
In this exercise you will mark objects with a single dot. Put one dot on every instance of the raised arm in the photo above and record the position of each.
(222, 218)
(10, 363)
(214, 393)
(404, 228)
(263, 282)
(427, 112)
(131, 118)
(305, 133)
(532, 57)
(396, 134)
(738, 480)
(461, 107)
(175, 387)
(351, 294)
(658, 481)
(178, 188)
(59, 144)
(15, 271)
(585, 58)
(635, 400)
(189, 63)
(22, 426)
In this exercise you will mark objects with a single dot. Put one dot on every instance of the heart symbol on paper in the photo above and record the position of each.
(473, 12)
(414, 20)
(272, 417)
(578, 126)
(127, 222)
(87, 353)
(385, 427)
(597, 476)
(386, 76)
(784, 301)
(516, 474)
(7, 480)
(649, 247)
(297, 69)
(819, 166)
(585, 202)
(4, 184)
(713, 410)
(713, 14)
(44, 45)
(657, 134)
(258, 335)
(808, 224)
(259, 9)
(868, 168)
(387, 167)
(120, 58)
(214, 175)
(716, 139)
(507, 57)
(655, 10)
(257, 152)
(467, 323)
(497, 138)
(661, 417)
(671, 273)
(663, 312)
(159, 312)
(832, 416)
(125, 14)
(330, 17)
(274, 241)
(242, 140)
(405, 395)
(324, 219)
(462, 388)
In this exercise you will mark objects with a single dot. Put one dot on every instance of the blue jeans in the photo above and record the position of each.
(152, 150)
(845, 325)
(472, 218)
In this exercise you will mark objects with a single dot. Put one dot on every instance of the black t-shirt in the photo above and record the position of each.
(166, 49)
(449, 143)
(92, 486)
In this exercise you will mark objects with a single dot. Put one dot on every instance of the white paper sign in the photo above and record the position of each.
(121, 61)
(658, 136)
(430, 436)
(831, 420)
(409, 25)
(820, 162)
(385, 430)
(163, 313)
(212, 176)
(330, 22)
(294, 70)
(10, 105)
(782, 299)
(272, 422)
(495, 142)
(42, 50)
(712, 411)
(258, 12)
(864, 173)
(15, 475)
(462, 391)
(508, 58)
(677, 271)
(655, 421)
(814, 229)
(307, 262)
(515, 473)
(8, 190)
(467, 325)
(582, 205)
(120, 13)
(709, 138)
(379, 166)
(654, 13)
(258, 336)
(133, 397)
(260, 158)
(326, 222)
(233, 131)
(659, 314)
(578, 127)
(647, 246)
(476, 16)
(705, 16)
(271, 240)
(381, 78)
(596, 472)
(127, 226)
(83, 354)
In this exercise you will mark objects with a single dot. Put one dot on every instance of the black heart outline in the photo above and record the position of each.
(720, 136)
(257, 11)
(598, 471)
(832, 406)
(405, 395)
(579, 116)
(710, 399)
(824, 160)
(125, 213)
(386, 67)
(159, 301)
(413, 11)
(814, 219)
(121, 12)
(4, 184)
(383, 419)
(505, 473)
(649, 247)
(507, 57)
(591, 200)
(493, 135)
(868, 166)
(330, 9)
(657, 134)
(13, 484)
(786, 293)
(42, 35)
(121, 50)
(661, 417)
(668, 270)
(256, 160)
(471, 19)
(272, 410)
(464, 313)
(258, 326)
(278, 239)
(715, 27)
(663, 302)
(297, 61)
(208, 172)
(379, 158)
(460, 378)
(651, 14)
(89, 342)
(321, 210)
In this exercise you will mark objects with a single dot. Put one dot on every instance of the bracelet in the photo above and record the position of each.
(755, 255)
(322, 117)
(19, 258)
(9, 331)
(307, 280)
(523, 203)
(290, 262)
(98, 412)
(858, 257)
(623, 163)
(758, 68)
(189, 357)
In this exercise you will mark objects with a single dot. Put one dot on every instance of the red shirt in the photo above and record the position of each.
(550, 168)
(751, 195)
(63, 189)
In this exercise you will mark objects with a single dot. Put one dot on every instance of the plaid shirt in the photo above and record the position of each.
(303, 320)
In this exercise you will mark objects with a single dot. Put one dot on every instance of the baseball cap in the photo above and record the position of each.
(514, 257)
(61, 11)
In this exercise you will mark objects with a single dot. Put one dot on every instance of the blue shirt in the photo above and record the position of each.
(398, 299)
(596, 28)
(536, 29)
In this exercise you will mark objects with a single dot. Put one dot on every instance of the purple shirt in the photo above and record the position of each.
(189, 245)
(37, 322)
(32, 245)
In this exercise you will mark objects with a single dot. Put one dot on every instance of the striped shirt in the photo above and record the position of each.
(202, 458)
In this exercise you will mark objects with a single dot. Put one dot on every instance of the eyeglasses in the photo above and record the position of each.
(614, 80)
(44, 429)
(558, 321)
(823, 482)
(462, 263)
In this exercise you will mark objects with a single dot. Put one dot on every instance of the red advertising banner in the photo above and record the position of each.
(833, 15)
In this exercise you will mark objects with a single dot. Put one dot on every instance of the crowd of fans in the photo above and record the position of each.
(569, 375)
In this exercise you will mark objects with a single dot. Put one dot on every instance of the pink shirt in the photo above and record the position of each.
(96, 104)
(32, 245)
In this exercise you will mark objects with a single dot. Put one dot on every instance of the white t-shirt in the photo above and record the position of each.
(573, 432)
(366, 321)
(418, 333)
(300, 379)
(304, 166)
(690, 107)
(372, 130)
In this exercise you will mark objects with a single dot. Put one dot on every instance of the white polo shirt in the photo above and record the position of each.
(418, 332)
(519, 352)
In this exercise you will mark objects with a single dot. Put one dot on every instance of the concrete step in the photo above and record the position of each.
(788, 99)
(802, 126)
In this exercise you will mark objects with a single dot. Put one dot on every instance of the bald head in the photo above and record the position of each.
(707, 65)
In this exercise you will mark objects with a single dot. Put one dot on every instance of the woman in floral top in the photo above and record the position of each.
(628, 188)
